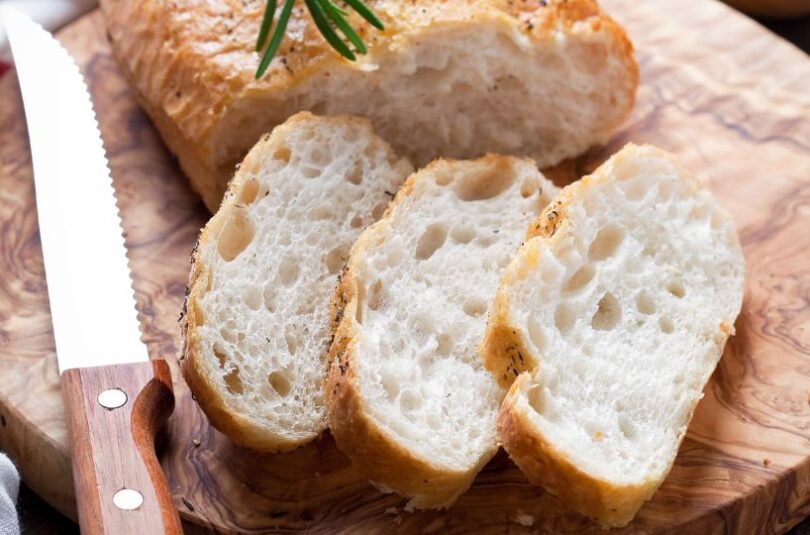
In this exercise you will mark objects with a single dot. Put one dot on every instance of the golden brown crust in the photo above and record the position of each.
(609, 504)
(190, 63)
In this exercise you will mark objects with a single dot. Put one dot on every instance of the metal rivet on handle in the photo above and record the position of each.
(112, 398)
(128, 499)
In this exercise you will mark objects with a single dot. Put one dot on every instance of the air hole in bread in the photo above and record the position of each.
(249, 191)
(409, 401)
(355, 176)
(431, 240)
(390, 385)
(608, 313)
(699, 212)
(649, 250)
(676, 289)
(292, 343)
(717, 223)
(280, 383)
(564, 317)
(536, 334)
(233, 382)
(535, 397)
(528, 187)
(310, 172)
(227, 333)
(288, 271)
(357, 222)
(580, 279)
(443, 178)
(270, 301)
(678, 379)
(474, 306)
(336, 258)
(485, 184)
(321, 213)
(645, 303)
(627, 427)
(376, 297)
(318, 156)
(635, 190)
(253, 298)
(462, 233)
(606, 242)
(282, 154)
(222, 358)
(666, 325)
(665, 188)
(379, 210)
(626, 169)
(236, 235)
(443, 344)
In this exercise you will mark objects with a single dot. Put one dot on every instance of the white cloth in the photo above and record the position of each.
(9, 489)
(51, 14)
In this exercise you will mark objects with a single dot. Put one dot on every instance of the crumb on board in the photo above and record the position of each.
(766, 461)
(391, 510)
(524, 520)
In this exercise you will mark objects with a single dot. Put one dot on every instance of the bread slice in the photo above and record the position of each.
(612, 316)
(256, 327)
(409, 400)
(453, 79)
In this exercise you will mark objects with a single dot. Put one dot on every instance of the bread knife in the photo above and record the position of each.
(115, 397)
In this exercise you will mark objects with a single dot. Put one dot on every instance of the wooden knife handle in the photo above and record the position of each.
(113, 414)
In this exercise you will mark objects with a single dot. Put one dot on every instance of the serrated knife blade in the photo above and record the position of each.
(89, 285)
(115, 397)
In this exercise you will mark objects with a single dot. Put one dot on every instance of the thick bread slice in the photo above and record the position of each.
(256, 327)
(454, 79)
(408, 397)
(619, 305)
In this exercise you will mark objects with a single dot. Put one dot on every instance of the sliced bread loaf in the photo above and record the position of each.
(446, 78)
(256, 328)
(612, 316)
(409, 400)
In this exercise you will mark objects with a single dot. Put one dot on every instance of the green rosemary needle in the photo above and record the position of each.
(329, 18)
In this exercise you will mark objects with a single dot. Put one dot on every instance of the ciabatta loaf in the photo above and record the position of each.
(256, 327)
(612, 316)
(409, 400)
(446, 78)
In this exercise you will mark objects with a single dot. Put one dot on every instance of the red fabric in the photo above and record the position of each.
(4, 67)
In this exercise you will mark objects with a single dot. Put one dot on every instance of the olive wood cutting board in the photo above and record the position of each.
(728, 97)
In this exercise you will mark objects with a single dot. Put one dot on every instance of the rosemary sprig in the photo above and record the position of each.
(328, 17)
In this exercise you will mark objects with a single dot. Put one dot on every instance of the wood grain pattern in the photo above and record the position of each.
(725, 95)
(113, 447)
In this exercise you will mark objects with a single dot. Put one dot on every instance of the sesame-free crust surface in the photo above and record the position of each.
(719, 91)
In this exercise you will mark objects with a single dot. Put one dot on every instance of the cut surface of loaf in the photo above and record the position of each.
(618, 307)
(256, 326)
(453, 79)
(409, 400)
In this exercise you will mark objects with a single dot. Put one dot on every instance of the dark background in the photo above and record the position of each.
(37, 517)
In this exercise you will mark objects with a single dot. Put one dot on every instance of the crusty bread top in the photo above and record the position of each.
(203, 52)
(265, 270)
(191, 64)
